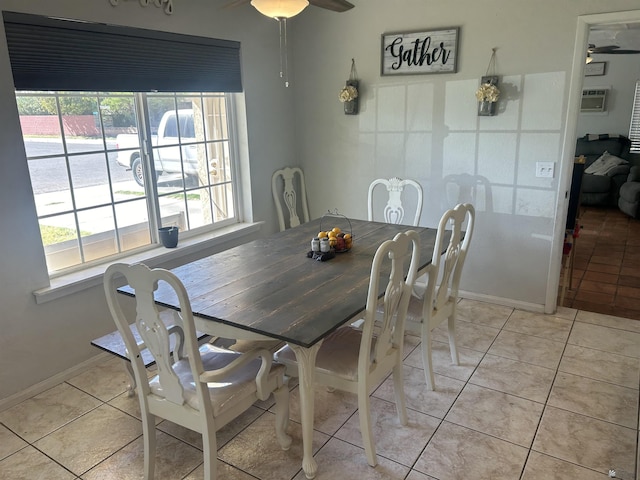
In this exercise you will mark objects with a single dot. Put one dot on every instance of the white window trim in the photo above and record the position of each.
(68, 284)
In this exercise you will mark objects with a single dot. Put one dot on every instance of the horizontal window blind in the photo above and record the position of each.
(67, 55)
(634, 129)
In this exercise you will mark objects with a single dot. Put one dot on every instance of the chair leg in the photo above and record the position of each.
(455, 358)
(281, 396)
(210, 452)
(364, 414)
(398, 390)
(149, 441)
(426, 357)
(131, 388)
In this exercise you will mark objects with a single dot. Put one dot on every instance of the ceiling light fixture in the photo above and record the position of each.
(281, 10)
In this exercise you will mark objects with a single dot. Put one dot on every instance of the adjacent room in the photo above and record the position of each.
(159, 132)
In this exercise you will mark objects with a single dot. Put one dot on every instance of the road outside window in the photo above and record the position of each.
(90, 156)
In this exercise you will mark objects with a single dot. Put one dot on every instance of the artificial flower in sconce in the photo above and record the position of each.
(488, 92)
(349, 93)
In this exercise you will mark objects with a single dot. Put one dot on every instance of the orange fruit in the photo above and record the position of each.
(336, 230)
(347, 236)
(322, 234)
(332, 234)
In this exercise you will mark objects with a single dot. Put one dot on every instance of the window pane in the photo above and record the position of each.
(223, 202)
(90, 180)
(97, 233)
(133, 224)
(60, 241)
(50, 184)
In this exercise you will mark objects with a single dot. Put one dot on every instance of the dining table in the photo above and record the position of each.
(270, 288)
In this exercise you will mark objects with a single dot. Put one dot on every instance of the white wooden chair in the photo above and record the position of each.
(356, 360)
(394, 210)
(285, 196)
(435, 301)
(202, 390)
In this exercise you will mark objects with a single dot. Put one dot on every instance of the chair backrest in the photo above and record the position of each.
(394, 210)
(388, 262)
(285, 196)
(155, 329)
(445, 270)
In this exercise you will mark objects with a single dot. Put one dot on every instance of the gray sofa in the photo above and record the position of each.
(629, 201)
(603, 190)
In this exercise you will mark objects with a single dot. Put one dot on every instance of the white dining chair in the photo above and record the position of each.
(394, 210)
(204, 388)
(435, 293)
(287, 184)
(357, 360)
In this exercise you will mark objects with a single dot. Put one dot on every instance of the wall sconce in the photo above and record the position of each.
(349, 95)
(488, 93)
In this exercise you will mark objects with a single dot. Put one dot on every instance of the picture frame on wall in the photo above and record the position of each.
(422, 52)
(595, 69)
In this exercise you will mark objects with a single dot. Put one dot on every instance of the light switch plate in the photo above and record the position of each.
(545, 169)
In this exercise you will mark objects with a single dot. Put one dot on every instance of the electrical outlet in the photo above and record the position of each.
(544, 169)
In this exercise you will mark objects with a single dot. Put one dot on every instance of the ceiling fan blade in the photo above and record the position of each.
(235, 3)
(618, 52)
(334, 5)
(605, 49)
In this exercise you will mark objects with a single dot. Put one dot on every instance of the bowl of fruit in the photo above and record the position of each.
(340, 239)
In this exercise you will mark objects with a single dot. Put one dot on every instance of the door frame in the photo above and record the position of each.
(584, 23)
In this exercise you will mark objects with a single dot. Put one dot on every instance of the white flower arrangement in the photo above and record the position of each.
(348, 94)
(487, 93)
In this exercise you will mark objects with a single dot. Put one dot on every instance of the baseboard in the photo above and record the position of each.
(51, 382)
(507, 302)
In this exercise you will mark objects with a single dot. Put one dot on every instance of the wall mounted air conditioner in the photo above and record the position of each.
(594, 100)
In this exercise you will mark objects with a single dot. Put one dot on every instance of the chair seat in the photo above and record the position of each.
(223, 395)
(337, 356)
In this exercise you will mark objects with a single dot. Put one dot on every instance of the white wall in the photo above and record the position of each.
(423, 127)
(621, 74)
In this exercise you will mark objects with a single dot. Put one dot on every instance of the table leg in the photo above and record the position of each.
(306, 358)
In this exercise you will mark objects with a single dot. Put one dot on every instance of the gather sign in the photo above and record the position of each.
(406, 53)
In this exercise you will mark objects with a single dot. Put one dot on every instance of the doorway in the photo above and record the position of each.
(603, 261)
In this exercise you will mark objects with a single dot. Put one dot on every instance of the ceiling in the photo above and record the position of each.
(624, 35)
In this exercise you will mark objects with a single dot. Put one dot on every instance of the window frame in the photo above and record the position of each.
(634, 124)
(152, 197)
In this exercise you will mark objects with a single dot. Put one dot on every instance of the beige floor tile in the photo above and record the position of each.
(330, 409)
(432, 402)
(513, 377)
(608, 321)
(468, 335)
(341, 460)
(498, 414)
(565, 312)
(586, 441)
(539, 325)
(85, 442)
(441, 361)
(525, 348)
(402, 444)
(174, 460)
(225, 472)
(595, 398)
(607, 339)
(608, 367)
(256, 451)
(457, 453)
(483, 313)
(9, 442)
(223, 435)
(104, 381)
(30, 464)
(415, 475)
(40, 415)
(544, 467)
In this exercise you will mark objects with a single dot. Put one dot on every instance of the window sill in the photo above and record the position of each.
(90, 277)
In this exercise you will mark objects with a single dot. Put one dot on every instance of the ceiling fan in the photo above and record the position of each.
(283, 9)
(609, 49)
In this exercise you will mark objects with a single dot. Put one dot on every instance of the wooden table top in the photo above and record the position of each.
(270, 287)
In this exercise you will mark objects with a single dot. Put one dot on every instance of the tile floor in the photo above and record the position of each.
(606, 274)
(535, 397)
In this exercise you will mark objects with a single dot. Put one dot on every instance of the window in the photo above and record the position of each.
(634, 129)
(89, 173)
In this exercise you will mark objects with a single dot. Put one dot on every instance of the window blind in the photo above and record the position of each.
(61, 54)
(634, 129)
